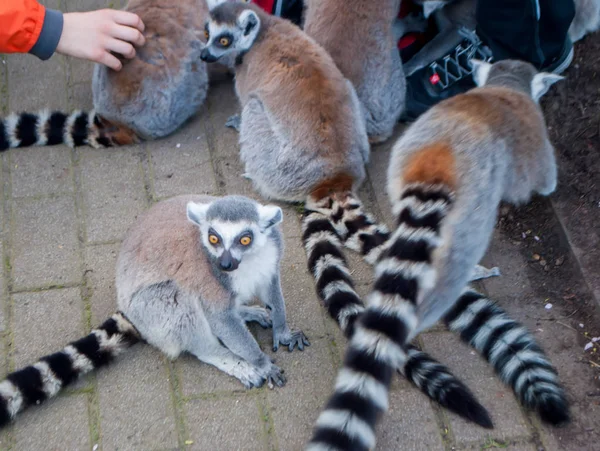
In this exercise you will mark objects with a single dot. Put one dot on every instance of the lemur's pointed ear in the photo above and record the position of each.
(212, 4)
(248, 21)
(268, 216)
(541, 83)
(197, 212)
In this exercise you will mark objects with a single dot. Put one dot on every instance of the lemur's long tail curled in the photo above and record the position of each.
(378, 345)
(76, 129)
(45, 378)
(328, 266)
(513, 353)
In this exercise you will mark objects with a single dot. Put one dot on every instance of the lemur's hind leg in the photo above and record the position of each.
(234, 121)
(481, 272)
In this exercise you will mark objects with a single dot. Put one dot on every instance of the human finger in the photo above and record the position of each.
(121, 47)
(128, 18)
(111, 61)
(128, 34)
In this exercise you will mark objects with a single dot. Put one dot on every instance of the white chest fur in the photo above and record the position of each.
(255, 274)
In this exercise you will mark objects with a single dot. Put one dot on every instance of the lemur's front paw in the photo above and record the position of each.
(290, 339)
(274, 376)
(249, 375)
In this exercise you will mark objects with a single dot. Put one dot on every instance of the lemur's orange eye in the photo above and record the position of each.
(245, 240)
(213, 239)
(206, 34)
(224, 42)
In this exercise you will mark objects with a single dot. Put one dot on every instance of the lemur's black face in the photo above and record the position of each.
(224, 38)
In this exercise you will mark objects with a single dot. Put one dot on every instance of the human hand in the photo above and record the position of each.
(93, 35)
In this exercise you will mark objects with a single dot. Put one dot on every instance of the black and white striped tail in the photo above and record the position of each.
(45, 378)
(327, 264)
(382, 332)
(359, 230)
(50, 128)
(513, 353)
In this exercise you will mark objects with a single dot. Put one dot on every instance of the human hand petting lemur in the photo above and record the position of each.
(93, 35)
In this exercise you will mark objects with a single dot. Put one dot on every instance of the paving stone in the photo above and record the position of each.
(303, 307)
(181, 163)
(113, 192)
(136, 407)
(45, 322)
(200, 378)
(232, 170)
(80, 97)
(59, 424)
(44, 243)
(30, 178)
(409, 424)
(25, 77)
(222, 103)
(295, 407)
(231, 423)
(90, 5)
(496, 397)
(100, 264)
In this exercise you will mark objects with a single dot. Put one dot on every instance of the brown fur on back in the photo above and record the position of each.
(500, 112)
(165, 245)
(288, 70)
(432, 164)
(170, 29)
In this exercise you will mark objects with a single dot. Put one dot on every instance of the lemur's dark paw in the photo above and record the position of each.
(291, 340)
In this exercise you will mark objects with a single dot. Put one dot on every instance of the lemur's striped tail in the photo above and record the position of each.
(327, 264)
(76, 129)
(378, 346)
(359, 230)
(363, 376)
(45, 378)
(513, 353)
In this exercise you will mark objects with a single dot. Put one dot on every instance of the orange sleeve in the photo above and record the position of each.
(21, 23)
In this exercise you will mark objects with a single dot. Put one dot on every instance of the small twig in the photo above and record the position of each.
(566, 325)
(596, 365)
(572, 313)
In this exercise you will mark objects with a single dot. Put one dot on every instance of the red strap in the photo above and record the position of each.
(267, 5)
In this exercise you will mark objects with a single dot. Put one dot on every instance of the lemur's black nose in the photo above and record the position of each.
(207, 57)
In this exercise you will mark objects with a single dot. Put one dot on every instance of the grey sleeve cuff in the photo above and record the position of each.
(51, 31)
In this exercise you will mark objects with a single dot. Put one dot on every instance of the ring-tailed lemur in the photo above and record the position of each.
(149, 98)
(446, 178)
(303, 137)
(359, 37)
(183, 285)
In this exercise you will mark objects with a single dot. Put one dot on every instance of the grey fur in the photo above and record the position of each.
(291, 139)
(586, 20)
(359, 36)
(171, 286)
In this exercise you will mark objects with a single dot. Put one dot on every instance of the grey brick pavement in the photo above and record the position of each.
(62, 217)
